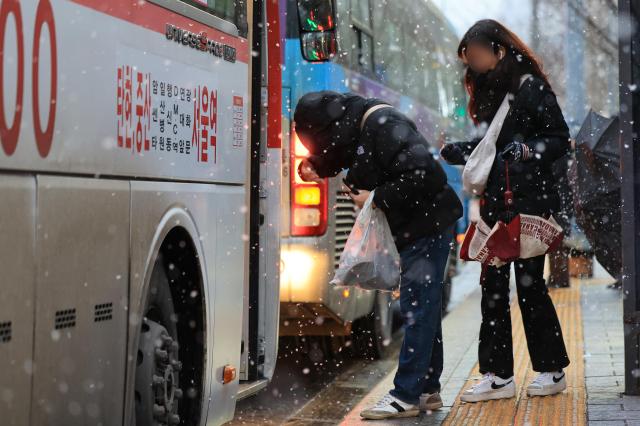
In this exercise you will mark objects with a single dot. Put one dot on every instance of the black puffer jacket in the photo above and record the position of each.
(535, 119)
(389, 156)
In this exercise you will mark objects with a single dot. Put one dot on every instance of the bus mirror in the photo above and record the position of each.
(318, 47)
(316, 15)
(317, 29)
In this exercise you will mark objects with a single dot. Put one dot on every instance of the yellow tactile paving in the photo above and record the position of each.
(567, 408)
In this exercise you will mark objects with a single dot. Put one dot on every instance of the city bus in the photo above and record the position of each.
(404, 54)
(140, 184)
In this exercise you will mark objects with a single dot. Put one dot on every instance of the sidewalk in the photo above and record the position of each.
(604, 358)
(373, 378)
(591, 317)
(460, 330)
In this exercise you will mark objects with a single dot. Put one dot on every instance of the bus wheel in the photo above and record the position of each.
(157, 381)
(450, 271)
(376, 330)
(446, 293)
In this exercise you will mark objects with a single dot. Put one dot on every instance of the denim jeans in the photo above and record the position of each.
(421, 358)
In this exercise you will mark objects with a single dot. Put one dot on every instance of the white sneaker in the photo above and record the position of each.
(389, 407)
(490, 387)
(547, 384)
(430, 401)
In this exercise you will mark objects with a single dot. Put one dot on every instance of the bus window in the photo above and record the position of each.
(230, 10)
(449, 84)
(436, 93)
(390, 67)
(363, 41)
(365, 47)
(223, 8)
(361, 12)
(419, 78)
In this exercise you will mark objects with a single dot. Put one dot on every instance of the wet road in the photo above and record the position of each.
(304, 393)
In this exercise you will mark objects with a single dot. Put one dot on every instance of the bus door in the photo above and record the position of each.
(260, 328)
(262, 305)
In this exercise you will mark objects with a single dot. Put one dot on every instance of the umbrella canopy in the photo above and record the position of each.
(601, 226)
(597, 168)
(592, 132)
(595, 179)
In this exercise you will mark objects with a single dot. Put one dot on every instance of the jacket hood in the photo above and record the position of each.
(328, 123)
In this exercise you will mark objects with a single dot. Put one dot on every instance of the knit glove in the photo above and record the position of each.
(515, 152)
(452, 153)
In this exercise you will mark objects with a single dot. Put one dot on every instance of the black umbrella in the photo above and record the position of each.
(595, 178)
(597, 159)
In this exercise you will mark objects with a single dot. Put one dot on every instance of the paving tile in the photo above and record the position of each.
(631, 402)
(611, 412)
(604, 359)
(599, 372)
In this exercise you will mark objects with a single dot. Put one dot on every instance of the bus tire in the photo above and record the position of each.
(377, 328)
(450, 271)
(446, 291)
(157, 379)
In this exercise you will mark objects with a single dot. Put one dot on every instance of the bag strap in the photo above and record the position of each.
(508, 194)
(524, 78)
(371, 111)
(366, 115)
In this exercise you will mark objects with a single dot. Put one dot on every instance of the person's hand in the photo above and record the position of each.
(452, 153)
(515, 152)
(360, 198)
(307, 172)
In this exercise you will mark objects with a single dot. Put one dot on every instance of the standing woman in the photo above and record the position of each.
(533, 135)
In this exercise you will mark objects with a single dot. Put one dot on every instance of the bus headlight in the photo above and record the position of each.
(309, 200)
(306, 217)
(307, 195)
(297, 268)
(306, 272)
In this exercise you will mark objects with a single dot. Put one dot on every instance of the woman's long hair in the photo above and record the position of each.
(487, 90)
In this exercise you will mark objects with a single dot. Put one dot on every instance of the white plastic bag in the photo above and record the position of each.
(370, 259)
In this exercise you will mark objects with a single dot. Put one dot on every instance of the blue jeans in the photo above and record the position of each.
(421, 358)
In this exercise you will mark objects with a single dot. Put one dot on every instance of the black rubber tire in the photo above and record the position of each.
(375, 331)
(446, 290)
(450, 271)
(160, 309)
(160, 303)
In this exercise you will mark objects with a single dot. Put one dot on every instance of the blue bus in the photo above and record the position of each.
(401, 51)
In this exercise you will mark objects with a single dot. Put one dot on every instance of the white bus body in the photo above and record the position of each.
(126, 147)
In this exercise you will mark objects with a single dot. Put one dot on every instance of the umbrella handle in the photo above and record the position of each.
(508, 195)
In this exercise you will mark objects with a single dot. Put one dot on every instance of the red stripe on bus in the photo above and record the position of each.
(274, 76)
(155, 18)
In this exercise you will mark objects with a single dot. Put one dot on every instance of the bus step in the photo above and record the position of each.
(249, 388)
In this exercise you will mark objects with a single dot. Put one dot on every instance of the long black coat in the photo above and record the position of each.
(389, 156)
(536, 120)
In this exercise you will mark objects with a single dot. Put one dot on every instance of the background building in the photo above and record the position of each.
(576, 39)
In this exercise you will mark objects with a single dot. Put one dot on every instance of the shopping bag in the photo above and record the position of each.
(538, 235)
(370, 259)
(523, 237)
(492, 246)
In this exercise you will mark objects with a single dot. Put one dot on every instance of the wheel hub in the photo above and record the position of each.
(157, 377)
